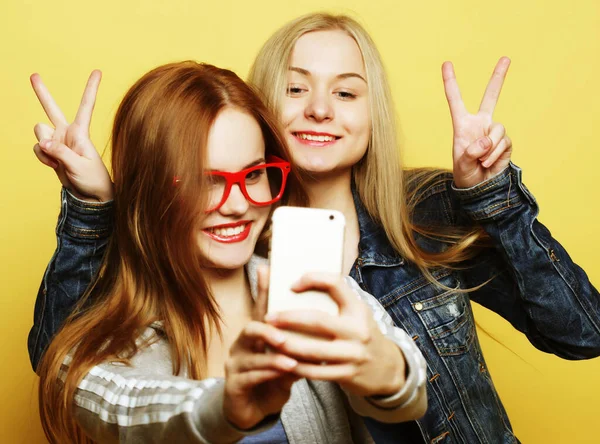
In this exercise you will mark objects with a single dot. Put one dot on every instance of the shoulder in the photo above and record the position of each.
(153, 355)
(430, 198)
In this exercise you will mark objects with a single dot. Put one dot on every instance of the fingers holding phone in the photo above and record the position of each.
(347, 348)
(329, 330)
(257, 384)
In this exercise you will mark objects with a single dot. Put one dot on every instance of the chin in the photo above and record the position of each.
(324, 170)
(314, 163)
(226, 257)
(222, 262)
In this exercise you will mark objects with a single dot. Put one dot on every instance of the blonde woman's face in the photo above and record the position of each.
(326, 109)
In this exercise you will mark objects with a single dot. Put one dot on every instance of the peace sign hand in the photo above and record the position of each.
(481, 148)
(67, 147)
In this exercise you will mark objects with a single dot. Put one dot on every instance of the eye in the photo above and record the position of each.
(295, 90)
(254, 176)
(345, 95)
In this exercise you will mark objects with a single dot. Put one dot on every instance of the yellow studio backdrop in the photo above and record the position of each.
(549, 105)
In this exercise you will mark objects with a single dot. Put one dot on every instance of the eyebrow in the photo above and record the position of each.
(250, 165)
(345, 75)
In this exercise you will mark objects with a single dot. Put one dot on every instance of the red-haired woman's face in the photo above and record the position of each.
(229, 234)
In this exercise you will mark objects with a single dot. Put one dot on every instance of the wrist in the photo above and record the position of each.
(395, 377)
(496, 198)
(102, 197)
(235, 417)
(80, 196)
(106, 196)
(470, 187)
(243, 425)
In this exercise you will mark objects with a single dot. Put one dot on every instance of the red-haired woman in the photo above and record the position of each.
(164, 345)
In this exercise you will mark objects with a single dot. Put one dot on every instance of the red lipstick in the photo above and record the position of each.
(229, 239)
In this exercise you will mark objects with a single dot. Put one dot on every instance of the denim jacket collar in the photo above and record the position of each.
(374, 247)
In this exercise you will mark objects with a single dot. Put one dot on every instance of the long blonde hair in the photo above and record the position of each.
(150, 270)
(389, 193)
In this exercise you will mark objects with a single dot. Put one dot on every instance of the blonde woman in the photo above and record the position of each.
(419, 239)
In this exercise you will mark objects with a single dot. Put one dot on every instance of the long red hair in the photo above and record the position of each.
(149, 271)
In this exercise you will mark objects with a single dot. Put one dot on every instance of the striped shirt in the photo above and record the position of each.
(145, 403)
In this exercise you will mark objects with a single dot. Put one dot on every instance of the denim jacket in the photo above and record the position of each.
(534, 285)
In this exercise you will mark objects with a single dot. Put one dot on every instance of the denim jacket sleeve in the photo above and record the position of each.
(535, 285)
(82, 233)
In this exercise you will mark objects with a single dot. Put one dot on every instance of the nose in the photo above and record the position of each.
(319, 107)
(236, 203)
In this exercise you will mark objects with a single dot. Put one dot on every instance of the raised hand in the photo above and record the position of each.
(481, 147)
(257, 384)
(348, 349)
(67, 147)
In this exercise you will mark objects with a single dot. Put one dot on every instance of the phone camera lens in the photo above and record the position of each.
(331, 217)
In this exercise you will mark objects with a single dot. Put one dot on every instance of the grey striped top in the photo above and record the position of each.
(145, 403)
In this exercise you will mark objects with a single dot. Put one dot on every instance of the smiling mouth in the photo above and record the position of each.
(229, 234)
(315, 139)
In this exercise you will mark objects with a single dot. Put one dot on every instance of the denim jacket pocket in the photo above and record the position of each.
(447, 319)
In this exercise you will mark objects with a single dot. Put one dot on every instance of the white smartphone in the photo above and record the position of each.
(304, 240)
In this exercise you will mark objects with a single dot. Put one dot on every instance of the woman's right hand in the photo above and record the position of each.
(481, 148)
(257, 384)
(349, 348)
(67, 147)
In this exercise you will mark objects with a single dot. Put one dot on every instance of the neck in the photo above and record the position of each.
(332, 192)
(231, 289)
(335, 193)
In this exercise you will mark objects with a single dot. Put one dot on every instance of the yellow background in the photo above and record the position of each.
(550, 107)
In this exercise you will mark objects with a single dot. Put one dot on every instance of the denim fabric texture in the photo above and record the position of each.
(82, 233)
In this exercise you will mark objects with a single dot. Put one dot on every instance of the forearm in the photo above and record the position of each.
(144, 402)
(82, 233)
(116, 405)
(410, 401)
(561, 308)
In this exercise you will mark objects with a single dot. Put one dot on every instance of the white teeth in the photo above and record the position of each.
(315, 138)
(227, 232)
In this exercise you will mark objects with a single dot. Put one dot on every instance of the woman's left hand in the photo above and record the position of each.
(348, 349)
(481, 147)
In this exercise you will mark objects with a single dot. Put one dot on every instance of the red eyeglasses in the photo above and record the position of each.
(261, 184)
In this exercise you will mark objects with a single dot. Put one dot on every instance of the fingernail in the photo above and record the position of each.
(270, 317)
(278, 338)
(45, 143)
(289, 363)
(485, 143)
